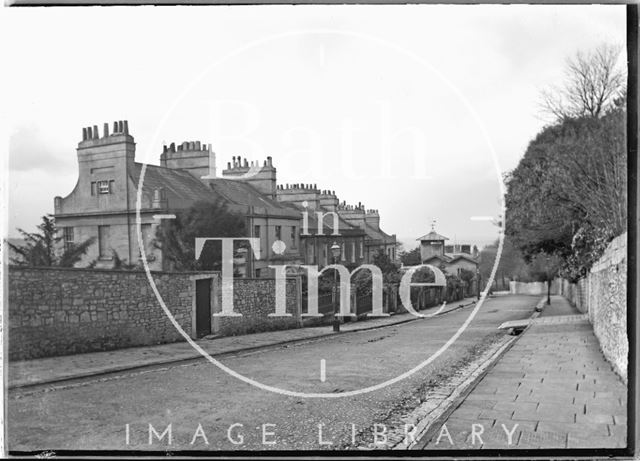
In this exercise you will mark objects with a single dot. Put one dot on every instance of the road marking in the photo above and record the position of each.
(323, 371)
(164, 216)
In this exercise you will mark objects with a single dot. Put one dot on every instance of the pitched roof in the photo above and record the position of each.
(183, 189)
(433, 235)
(377, 233)
(450, 258)
(443, 258)
(178, 184)
(456, 256)
(327, 225)
(242, 194)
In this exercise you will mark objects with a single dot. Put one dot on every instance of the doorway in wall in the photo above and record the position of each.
(203, 307)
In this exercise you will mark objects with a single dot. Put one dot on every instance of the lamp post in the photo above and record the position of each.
(335, 252)
(478, 282)
(548, 280)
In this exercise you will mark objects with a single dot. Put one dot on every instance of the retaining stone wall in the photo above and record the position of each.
(533, 288)
(608, 304)
(255, 300)
(603, 294)
(54, 311)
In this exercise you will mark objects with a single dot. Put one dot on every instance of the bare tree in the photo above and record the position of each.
(594, 82)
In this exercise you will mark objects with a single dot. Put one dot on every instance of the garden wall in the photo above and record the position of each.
(603, 295)
(55, 311)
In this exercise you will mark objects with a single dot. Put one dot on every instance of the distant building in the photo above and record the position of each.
(103, 202)
(103, 205)
(359, 247)
(451, 258)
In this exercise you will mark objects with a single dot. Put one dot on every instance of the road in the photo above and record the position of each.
(210, 410)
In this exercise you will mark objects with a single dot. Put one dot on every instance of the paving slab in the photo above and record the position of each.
(555, 383)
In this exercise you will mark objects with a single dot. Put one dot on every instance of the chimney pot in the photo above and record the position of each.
(106, 130)
(115, 127)
(84, 134)
(197, 145)
(95, 132)
(172, 147)
(126, 127)
(120, 126)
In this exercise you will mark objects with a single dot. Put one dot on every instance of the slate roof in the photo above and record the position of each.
(327, 228)
(433, 235)
(183, 189)
(456, 256)
(442, 258)
(377, 234)
(240, 193)
(176, 183)
(449, 257)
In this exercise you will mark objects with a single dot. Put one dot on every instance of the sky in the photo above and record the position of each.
(414, 110)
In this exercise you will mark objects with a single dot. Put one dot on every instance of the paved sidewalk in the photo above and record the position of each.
(554, 383)
(53, 369)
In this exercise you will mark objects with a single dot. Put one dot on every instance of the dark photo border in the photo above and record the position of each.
(633, 277)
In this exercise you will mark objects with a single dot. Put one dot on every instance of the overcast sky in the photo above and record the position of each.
(398, 107)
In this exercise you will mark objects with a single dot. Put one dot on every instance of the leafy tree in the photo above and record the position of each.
(43, 248)
(390, 274)
(411, 258)
(544, 268)
(567, 196)
(467, 275)
(386, 265)
(423, 275)
(176, 238)
(122, 264)
(511, 265)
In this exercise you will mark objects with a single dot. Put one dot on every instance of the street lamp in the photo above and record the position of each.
(548, 280)
(335, 252)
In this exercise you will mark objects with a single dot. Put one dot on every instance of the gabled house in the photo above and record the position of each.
(432, 251)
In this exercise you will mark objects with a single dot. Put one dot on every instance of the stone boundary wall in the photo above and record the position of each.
(56, 311)
(533, 288)
(577, 293)
(255, 300)
(603, 295)
(62, 311)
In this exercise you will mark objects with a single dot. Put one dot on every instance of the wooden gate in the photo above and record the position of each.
(203, 307)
